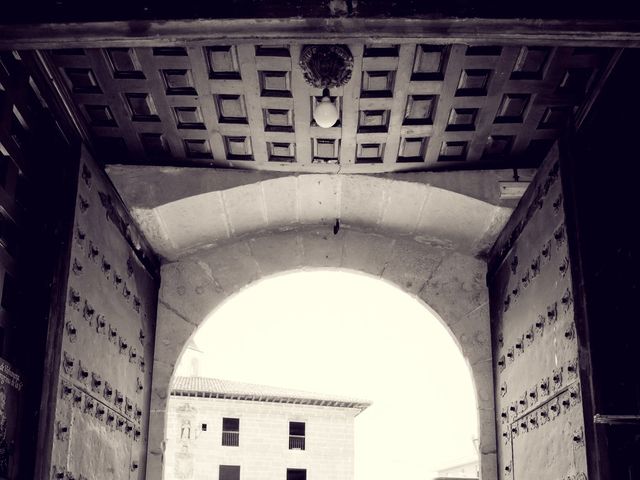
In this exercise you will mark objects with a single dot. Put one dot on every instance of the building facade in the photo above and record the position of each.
(233, 431)
(469, 469)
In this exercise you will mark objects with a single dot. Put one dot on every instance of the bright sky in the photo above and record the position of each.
(352, 335)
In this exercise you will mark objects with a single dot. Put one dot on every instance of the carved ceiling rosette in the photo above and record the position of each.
(326, 66)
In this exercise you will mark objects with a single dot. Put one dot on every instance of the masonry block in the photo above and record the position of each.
(483, 379)
(361, 201)
(411, 265)
(457, 218)
(456, 287)
(276, 252)
(245, 207)
(318, 199)
(488, 466)
(156, 234)
(497, 220)
(473, 334)
(156, 442)
(281, 198)
(366, 252)
(404, 202)
(190, 289)
(486, 426)
(232, 265)
(172, 334)
(321, 248)
(195, 221)
(160, 384)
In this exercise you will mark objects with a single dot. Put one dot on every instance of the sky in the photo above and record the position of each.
(352, 335)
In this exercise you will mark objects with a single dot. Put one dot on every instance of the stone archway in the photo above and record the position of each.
(425, 240)
(451, 283)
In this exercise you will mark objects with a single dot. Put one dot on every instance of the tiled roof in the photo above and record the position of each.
(217, 388)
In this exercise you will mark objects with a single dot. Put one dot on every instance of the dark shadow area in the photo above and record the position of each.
(59, 11)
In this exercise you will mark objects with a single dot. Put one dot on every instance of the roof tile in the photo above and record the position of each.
(230, 389)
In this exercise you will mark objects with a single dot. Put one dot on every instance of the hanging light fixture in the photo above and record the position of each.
(326, 113)
(326, 67)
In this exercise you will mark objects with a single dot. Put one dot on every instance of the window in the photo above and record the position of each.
(231, 432)
(296, 474)
(204, 427)
(229, 472)
(296, 435)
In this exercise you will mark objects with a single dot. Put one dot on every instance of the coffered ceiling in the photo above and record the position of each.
(408, 106)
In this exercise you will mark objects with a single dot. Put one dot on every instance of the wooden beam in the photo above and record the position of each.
(141, 33)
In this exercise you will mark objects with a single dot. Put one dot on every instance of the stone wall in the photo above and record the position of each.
(263, 452)
(401, 209)
(449, 283)
(218, 237)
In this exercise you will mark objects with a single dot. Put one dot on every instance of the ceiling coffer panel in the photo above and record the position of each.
(406, 107)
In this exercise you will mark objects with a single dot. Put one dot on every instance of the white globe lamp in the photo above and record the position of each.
(325, 114)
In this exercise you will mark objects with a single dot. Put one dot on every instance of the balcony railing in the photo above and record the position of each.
(296, 442)
(230, 439)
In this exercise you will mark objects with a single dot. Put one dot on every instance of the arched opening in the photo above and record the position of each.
(352, 335)
(450, 282)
